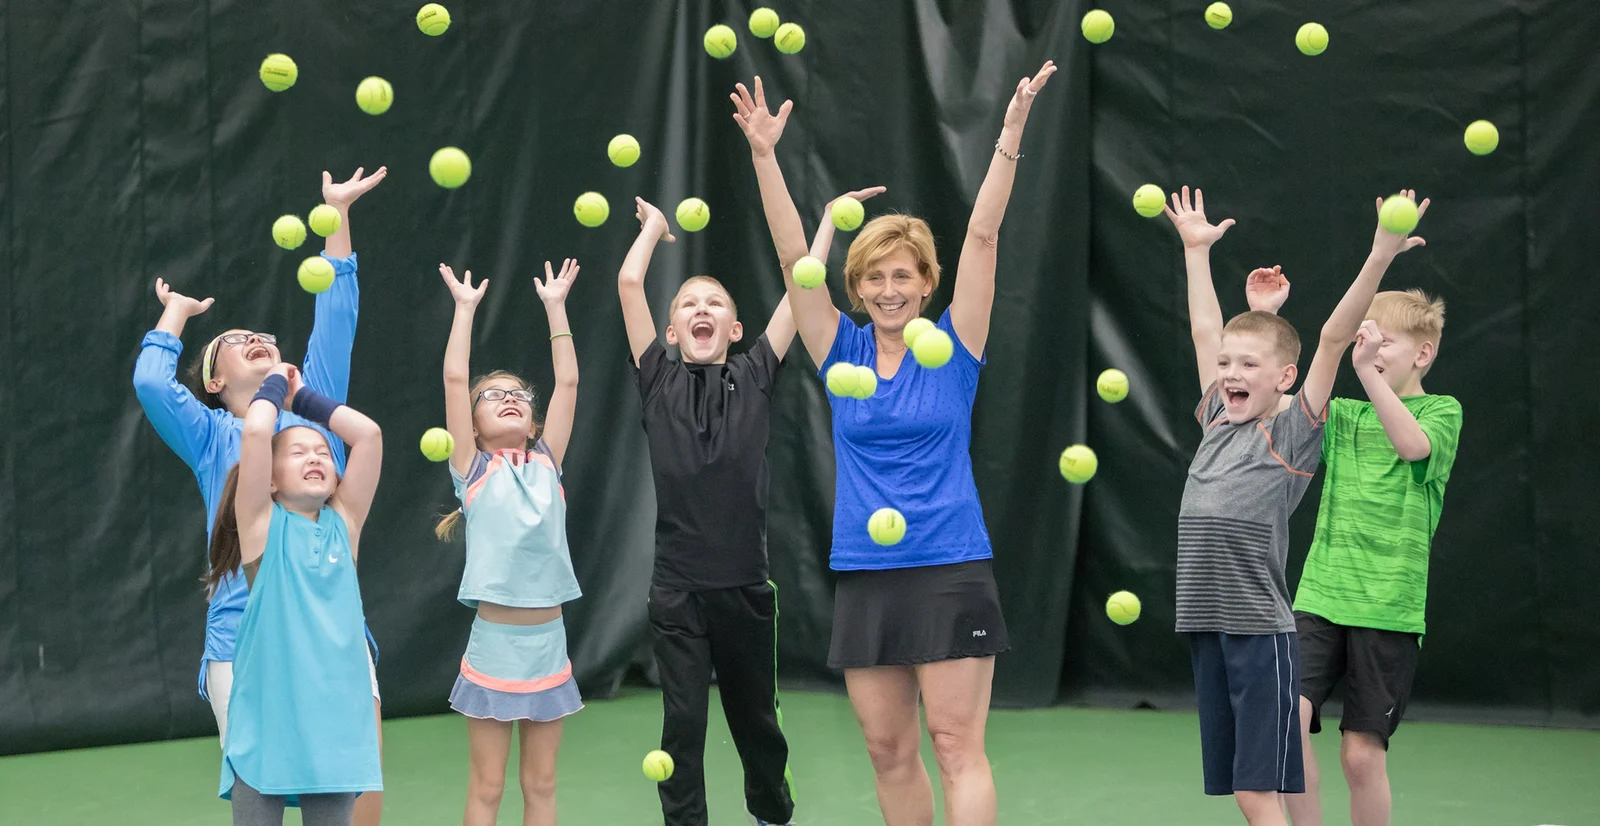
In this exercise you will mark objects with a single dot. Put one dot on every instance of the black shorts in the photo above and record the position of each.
(910, 616)
(1377, 668)
(1247, 687)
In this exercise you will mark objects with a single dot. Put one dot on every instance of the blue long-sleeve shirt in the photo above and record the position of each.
(207, 439)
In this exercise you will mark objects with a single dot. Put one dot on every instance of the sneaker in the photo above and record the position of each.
(759, 822)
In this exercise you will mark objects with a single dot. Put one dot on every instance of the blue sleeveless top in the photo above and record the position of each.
(300, 719)
(516, 513)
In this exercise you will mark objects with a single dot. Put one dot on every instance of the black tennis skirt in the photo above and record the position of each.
(910, 616)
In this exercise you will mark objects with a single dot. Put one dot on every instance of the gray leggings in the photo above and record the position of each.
(252, 808)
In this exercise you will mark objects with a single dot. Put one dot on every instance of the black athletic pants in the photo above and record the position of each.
(733, 630)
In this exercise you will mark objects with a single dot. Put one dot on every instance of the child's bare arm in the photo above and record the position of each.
(1398, 423)
(636, 318)
(1205, 314)
(558, 415)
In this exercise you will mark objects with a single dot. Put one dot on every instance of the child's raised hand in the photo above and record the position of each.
(1266, 289)
(554, 288)
(346, 193)
(1191, 221)
(649, 216)
(1368, 339)
(761, 127)
(190, 307)
(1388, 243)
(462, 290)
(862, 194)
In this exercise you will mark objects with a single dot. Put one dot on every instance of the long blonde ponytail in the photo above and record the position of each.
(448, 526)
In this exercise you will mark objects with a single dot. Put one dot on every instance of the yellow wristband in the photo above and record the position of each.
(559, 335)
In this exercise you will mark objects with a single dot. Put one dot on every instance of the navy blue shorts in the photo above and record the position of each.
(1248, 687)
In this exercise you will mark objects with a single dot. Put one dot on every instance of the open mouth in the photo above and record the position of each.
(257, 352)
(509, 413)
(702, 331)
(315, 474)
(1236, 397)
(892, 305)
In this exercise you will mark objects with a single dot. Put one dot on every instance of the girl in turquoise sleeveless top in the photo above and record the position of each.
(300, 724)
(507, 474)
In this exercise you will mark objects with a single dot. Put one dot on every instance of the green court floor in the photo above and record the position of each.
(1051, 766)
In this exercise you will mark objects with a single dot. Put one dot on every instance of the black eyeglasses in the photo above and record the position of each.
(240, 338)
(495, 394)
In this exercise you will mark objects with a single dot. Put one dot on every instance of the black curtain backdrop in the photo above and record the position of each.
(138, 143)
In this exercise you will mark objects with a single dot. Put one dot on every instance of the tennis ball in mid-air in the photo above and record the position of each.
(1148, 200)
(1112, 385)
(790, 38)
(623, 150)
(1218, 15)
(809, 272)
(433, 19)
(843, 379)
(1078, 464)
(374, 95)
(278, 72)
(437, 444)
(1098, 26)
(316, 274)
(658, 765)
(866, 382)
(1122, 607)
(591, 209)
(289, 232)
(720, 41)
(1398, 214)
(847, 213)
(933, 348)
(693, 214)
(763, 22)
(450, 167)
(1312, 39)
(1482, 137)
(886, 526)
(916, 327)
(324, 220)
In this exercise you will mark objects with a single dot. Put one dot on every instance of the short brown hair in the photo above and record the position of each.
(884, 236)
(672, 309)
(1285, 339)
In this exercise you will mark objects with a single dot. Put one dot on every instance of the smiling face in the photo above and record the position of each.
(891, 270)
(703, 321)
(1252, 375)
(506, 422)
(303, 475)
(893, 290)
(241, 365)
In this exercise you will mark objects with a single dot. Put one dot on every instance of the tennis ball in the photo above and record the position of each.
(843, 379)
(658, 765)
(1312, 39)
(914, 328)
(847, 213)
(1122, 607)
(437, 444)
(324, 220)
(1112, 385)
(278, 72)
(623, 150)
(1481, 137)
(693, 215)
(866, 382)
(374, 95)
(591, 209)
(809, 272)
(1098, 26)
(886, 526)
(933, 348)
(316, 274)
(1218, 15)
(1398, 214)
(763, 22)
(1148, 200)
(720, 41)
(433, 19)
(450, 167)
(790, 38)
(1078, 464)
(289, 232)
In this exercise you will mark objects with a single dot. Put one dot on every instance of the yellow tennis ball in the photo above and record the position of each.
(1148, 200)
(843, 379)
(289, 232)
(623, 150)
(1398, 214)
(591, 209)
(433, 19)
(809, 272)
(1122, 607)
(658, 765)
(790, 38)
(278, 72)
(1482, 137)
(1312, 39)
(437, 444)
(315, 275)
(886, 526)
(693, 215)
(324, 220)
(1112, 385)
(763, 22)
(1098, 26)
(450, 167)
(1218, 15)
(866, 382)
(374, 95)
(914, 328)
(933, 348)
(847, 213)
(1078, 464)
(720, 41)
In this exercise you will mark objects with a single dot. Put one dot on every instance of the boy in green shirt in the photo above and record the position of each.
(1359, 607)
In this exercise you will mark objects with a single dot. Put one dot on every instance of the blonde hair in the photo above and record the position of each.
(1285, 339)
(449, 525)
(886, 235)
(1412, 313)
(672, 309)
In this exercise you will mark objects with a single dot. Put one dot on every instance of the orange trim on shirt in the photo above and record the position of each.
(1200, 412)
(1261, 426)
(472, 489)
(516, 686)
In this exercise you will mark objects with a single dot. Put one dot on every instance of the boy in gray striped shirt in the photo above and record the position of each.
(1253, 465)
